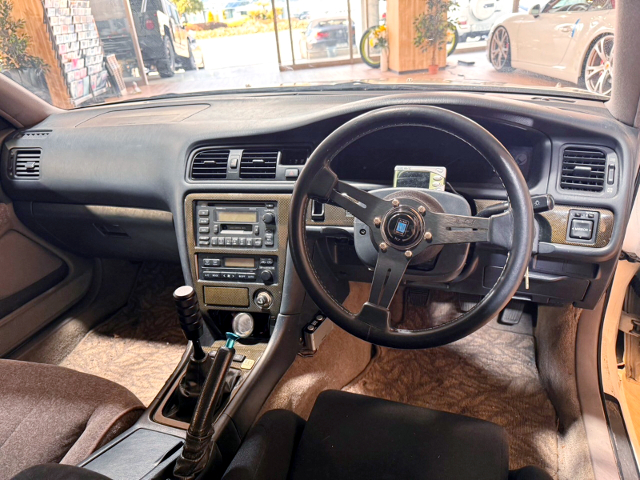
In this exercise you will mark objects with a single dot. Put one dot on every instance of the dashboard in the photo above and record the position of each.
(207, 181)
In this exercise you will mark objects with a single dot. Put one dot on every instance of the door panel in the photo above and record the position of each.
(38, 282)
(28, 270)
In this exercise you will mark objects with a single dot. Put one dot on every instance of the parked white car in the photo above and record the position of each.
(474, 18)
(571, 40)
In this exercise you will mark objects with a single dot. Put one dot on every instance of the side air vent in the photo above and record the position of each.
(583, 168)
(258, 163)
(210, 164)
(26, 163)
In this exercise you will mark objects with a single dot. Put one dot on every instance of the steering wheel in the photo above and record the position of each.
(408, 225)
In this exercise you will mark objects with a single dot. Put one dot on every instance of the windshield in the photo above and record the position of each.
(75, 53)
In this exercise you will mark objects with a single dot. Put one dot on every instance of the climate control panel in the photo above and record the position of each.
(234, 268)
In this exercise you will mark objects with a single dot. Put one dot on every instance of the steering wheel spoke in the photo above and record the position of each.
(390, 268)
(360, 204)
(443, 228)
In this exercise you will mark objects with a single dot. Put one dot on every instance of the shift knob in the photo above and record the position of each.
(190, 317)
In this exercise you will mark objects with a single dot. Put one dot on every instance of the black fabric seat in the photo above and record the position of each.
(352, 436)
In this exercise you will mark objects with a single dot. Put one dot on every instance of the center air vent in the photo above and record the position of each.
(26, 163)
(583, 168)
(258, 163)
(210, 164)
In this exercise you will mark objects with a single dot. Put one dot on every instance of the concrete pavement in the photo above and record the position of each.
(251, 61)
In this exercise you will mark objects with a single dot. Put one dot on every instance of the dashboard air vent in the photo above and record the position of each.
(27, 163)
(583, 168)
(258, 163)
(210, 164)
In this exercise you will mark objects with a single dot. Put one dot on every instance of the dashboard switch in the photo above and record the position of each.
(611, 175)
(581, 229)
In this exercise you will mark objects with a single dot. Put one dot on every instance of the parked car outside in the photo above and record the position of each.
(571, 40)
(163, 39)
(327, 37)
(474, 18)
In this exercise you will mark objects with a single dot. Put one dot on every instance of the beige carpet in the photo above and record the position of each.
(490, 374)
(140, 346)
(341, 357)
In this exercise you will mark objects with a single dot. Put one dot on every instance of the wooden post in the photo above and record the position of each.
(516, 6)
(275, 30)
(404, 56)
(293, 55)
(32, 12)
(134, 38)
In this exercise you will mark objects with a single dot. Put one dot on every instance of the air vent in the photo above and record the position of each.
(26, 163)
(583, 168)
(258, 163)
(210, 164)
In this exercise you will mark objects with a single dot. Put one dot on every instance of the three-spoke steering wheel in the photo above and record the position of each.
(406, 226)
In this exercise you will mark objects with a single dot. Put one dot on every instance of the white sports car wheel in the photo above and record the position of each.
(598, 68)
(500, 50)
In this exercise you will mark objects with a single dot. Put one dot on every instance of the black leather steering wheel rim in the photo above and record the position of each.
(316, 181)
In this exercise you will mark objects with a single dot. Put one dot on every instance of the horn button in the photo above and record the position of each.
(402, 228)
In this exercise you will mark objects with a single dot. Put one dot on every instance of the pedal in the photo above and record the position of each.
(417, 298)
(314, 334)
(512, 314)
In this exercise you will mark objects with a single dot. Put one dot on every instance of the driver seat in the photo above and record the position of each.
(352, 436)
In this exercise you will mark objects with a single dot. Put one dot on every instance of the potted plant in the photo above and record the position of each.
(381, 41)
(432, 30)
(25, 69)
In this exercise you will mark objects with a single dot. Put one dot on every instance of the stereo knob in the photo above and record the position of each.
(266, 276)
(268, 218)
(263, 299)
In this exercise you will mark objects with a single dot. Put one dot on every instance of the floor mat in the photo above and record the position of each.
(490, 374)
(139, 346)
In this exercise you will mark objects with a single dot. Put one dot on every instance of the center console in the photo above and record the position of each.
(237, 250)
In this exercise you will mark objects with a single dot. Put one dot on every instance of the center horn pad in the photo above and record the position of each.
(402, 229)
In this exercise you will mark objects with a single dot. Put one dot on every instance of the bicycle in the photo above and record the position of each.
(371, 55)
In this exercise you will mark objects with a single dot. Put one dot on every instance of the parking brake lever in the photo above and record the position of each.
(197, 446)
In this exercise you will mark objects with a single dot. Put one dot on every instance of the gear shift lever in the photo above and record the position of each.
(197, 446)
(191, 323)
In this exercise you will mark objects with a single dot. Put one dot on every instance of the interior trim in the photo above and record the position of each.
(20, 107)
(603, 460)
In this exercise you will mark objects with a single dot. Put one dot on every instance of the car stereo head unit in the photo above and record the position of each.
(236, 225)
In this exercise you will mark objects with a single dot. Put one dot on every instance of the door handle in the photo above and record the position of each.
(566, 29)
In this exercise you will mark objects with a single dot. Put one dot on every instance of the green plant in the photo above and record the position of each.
(14, 42)
(189, 6)
(432, 27)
